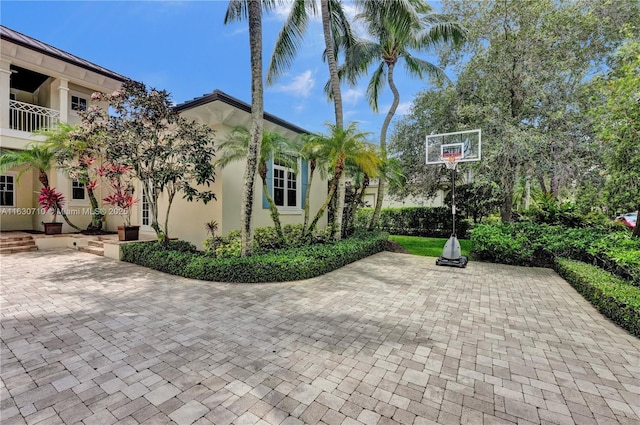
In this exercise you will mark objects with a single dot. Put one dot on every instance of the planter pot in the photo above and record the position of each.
(52, 228)
(128, 233)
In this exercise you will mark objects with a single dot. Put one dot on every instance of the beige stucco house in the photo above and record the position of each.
(41, 85)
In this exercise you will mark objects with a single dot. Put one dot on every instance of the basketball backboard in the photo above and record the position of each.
(464, 146)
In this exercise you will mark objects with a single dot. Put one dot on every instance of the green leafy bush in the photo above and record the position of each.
(414, 221)
(276, 266)
(531, 244)
(613, 297)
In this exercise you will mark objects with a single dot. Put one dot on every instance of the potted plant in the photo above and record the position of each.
(51, 201)
(121, 197)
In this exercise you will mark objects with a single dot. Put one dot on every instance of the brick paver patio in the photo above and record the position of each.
(390, 339)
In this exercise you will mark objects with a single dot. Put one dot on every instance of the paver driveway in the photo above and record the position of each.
(390, 339)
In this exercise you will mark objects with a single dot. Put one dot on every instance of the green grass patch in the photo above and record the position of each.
(428, 247)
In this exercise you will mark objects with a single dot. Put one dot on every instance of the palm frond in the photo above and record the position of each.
(378, 79)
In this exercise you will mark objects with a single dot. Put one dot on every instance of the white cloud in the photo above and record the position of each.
(352, 96)
(404, 108)
(301, 85)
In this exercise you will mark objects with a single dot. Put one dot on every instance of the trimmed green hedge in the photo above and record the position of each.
(531, 244)
(277, 266)
(613, 297)
(434, 222)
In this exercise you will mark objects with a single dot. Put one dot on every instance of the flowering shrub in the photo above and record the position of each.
(118, 177)
(51, 200)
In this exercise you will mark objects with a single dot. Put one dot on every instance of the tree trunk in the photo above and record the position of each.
(165, 233)
(636, 230)
(507, 206)
(337, 102)
(307, 196)
(527, 193)
(44, 179)
(383, 144)
(273, 210)
(257, 111)
(337, 229)
(334, 186)
(96, 214)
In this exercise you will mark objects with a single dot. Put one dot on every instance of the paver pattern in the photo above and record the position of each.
(392, 339)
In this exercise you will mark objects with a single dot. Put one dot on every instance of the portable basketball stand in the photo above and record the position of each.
(451, 253)
(450, 149)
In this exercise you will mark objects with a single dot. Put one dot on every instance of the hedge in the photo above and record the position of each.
(613, 297)
(531, 244)
(432, 222)
(276, 266)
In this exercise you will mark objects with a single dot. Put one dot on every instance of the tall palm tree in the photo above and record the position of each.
(251, 10)
(398, 28)
(308, 148)
(342, 145)
(39, 157)
(272, 147)
(337, 34)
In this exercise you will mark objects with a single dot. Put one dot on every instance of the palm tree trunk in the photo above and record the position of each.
(337, 102)
(334, 186)
(257, 110)
(307, 196)
(383, 145)
(337, 229)
(273, 210)
(44, 179)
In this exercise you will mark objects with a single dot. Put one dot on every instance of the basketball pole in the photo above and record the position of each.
(451, 253)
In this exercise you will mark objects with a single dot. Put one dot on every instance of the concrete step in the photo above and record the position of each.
(7, 239)
(16, 249)
(92, 250)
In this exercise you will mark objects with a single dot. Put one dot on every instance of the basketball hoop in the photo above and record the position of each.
(450, 161)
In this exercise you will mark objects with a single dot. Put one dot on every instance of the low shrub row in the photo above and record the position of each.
(276, 266)
(414, 221)
(531, 244)
(613, 297)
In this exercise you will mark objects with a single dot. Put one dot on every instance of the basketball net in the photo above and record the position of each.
(450, 161)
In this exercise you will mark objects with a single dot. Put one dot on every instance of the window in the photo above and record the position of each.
(146, 218)
(7, 190)
(78, 103)
(77, 190)
(285, 186)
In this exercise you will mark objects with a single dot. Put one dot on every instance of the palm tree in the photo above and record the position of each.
(337, 34)
(342, 145)
(37, 157)
(251, 10)
(308, 148)
(398, 29)
(273, 147)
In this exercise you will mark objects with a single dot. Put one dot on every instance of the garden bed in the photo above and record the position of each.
(180, 258)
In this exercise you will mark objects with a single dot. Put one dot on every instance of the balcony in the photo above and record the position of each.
(30, 118)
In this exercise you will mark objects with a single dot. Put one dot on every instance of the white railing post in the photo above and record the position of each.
(30, 118)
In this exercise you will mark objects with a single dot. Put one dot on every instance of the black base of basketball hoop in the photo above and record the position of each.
(451, 254)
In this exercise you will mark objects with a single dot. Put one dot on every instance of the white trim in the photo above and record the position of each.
(284, 209)
(14, 175)
(79, 95)
(73, 202)
(144, 227)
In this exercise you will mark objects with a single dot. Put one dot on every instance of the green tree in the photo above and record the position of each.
(344, 145)
(618, 125)
(168, 153)
(400, 30)
(251, 10)
(38, 157)
(273, 147)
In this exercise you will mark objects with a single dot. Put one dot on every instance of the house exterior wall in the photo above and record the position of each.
(371, 194)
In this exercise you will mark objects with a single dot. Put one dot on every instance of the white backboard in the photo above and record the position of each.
(466, 146)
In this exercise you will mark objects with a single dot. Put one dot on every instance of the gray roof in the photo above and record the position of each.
(218, 95)
(44, 48)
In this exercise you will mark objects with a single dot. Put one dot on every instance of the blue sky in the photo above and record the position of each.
(185, 48)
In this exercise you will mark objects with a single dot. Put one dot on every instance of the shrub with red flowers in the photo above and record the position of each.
(51, 200)
(118, 177)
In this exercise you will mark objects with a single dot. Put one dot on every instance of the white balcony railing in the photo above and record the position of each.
(28, 117)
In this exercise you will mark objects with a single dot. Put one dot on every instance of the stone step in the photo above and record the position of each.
(26, 242)
(16, 249)
(97, 244)
(92, 250)
(4, 239)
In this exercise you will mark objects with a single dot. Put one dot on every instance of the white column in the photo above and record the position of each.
(63, 89)
(5, 86)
